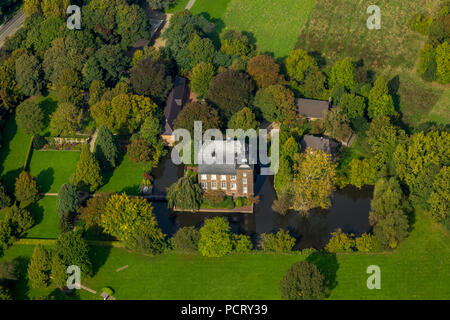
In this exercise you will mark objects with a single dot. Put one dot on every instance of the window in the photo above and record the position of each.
(244, 174)
(213, 177)
(233, 186)
(223, 177)
(213, 185)
(204, 177)
(244, 180)
(224, 185)
(233, 178)
(203, 184)
(245, 189)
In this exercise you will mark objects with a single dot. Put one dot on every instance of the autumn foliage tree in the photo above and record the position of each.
(265, 71)
(197, 111)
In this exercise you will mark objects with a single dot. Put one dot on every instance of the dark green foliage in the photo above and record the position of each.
(303, 281)
(39, 142)
(151, 78)
(197, 111)
(186, 240)
(58, 271)
(106, 150)
(146, 242)
(231, 91)
(5, 199)
(160, 4)
(65, 222)
(19, 219)
(184, 194)
(30, 117)
(352, 106)
(29, 75)
(39, 268)
(67, 201)
(112, 62)
(73, 250)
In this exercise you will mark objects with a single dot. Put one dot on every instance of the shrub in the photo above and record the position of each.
(242, 243)
(139, 151)
(279, 242)
(420, 23)
(340, 242)
(367, 243)
(39, 142)
(109, 291)
(303, 281)
(240, 202)
(145, 241)
(26, 188)
(213, 197)
(186, 240)
(215, 238)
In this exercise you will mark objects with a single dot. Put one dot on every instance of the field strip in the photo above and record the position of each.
(347, 36)
(330, 22)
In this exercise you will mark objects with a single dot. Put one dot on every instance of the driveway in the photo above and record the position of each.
(10, 27)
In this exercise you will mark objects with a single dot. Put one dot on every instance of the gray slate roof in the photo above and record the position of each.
(312, 108)
(319, 143)
(174, 104)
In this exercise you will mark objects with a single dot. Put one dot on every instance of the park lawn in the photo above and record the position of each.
(274, 25)
(440, 113)
(418, 269)
(48, 105)
(53, 168)
(45, 219)
(126, 177)
(179, 6)
(15, 144)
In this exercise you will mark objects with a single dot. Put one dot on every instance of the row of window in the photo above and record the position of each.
(223, 177)
(223, 186)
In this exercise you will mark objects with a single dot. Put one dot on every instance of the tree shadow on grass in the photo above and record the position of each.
(37, 212)
(131, 190)
(98, 256)
(48, 106)
(107, 173)
(9, 179)
(219, 25)
(45, 180)
(20, 287)
(328, 266)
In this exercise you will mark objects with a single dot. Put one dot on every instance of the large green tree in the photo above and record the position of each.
(380, 101)
(87, 175)
(67, 201)
(200, 77)
(66, 119)
(197, 111)
(105, 149)
(29, 117)
(215, 238)
(39, 268)
(184, 194)
(303, 281)
(72, 249)
(275, 102)
(29, 75)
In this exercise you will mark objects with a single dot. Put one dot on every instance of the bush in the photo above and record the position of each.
(367, 243)
(109, 291)
(39, 142)
(420, 23)
(144, 241)
(186, 240)
(279, 242)
(303, 281)
(340, 242)
(215, 238)
(240, 202)
(242, 243)
(139, 151)
(213, 197)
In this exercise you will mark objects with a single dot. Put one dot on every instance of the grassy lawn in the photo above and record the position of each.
(13, 152)
(53, 168)
(48, 105)
(179, 6)
(418, 269)
(45, 218)
(127, 178)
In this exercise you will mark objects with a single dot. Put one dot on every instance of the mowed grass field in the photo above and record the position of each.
(418, 269)
(274, 26)
(52, 169)
(45, 219)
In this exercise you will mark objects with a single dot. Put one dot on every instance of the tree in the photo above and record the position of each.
(87, 175)
(201, 50)
(105, 148)
(10, 92)
(67, 201)
(186, 239)
(29, 75)
(362, 172)
(66, 119)
(242, 243)
(125, 216)
(235, 43)
(315, 170)
(197, 111)
(184, 194)
(299, 65)
(427, 66)
(243, 119)
(277, 103)
(352, 106)
(55, 8)
(200, 77)
(337, 125)
(440, 197)
(303, 281)
(279, 242)
(112, 62)
(215, 238)
(31, 7)
(19, 219)
(72, 249)
(123, 113)
(91, 212)
(443, 62)
(96, 91)
(380, 102)
(418, 160)
(58, 271)
(139, 151)
(39, 268)
(160, 4)
(264, 70)
(343, 73)
(387, 215)
(151, 78)
(340, 242)
(230, 91)
(5, 199)
(26, 188)
(132, 24)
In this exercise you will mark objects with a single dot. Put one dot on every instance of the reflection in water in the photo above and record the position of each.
(349, 211)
